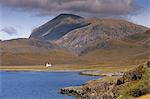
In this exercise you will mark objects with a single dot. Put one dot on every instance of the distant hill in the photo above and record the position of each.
(27, 45)
(71, 39)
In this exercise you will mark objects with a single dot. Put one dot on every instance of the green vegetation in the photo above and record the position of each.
(136, 88)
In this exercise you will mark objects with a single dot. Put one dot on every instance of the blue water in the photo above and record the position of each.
(38, 85)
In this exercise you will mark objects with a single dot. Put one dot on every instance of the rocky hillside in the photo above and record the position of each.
(98, 34)
(58, 27)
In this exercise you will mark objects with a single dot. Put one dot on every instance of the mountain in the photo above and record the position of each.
(99, 34)
(79, 35)
(58, 27)
(71, 39)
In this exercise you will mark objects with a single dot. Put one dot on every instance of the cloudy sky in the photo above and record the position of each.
(19, 17)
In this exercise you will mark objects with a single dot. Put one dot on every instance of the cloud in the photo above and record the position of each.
(81, 7)
(9, 30)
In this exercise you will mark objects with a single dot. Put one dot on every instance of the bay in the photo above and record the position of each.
(38, 85)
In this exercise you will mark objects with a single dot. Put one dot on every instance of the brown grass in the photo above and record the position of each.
(67, 68)
(144, 97)
(120, 54)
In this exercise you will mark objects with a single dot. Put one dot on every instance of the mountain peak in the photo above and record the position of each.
(65, 15)
(58, 27)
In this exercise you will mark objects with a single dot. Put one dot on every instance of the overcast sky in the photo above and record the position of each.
(19, 17)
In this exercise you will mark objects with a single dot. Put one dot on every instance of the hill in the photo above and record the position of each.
(27, 45)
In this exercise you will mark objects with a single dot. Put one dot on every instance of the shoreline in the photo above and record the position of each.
(1, 70)
(80, 72)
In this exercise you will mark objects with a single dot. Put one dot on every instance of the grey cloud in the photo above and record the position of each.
(9, 30)
(82, 7)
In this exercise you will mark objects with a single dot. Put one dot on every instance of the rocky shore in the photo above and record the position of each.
(133, 83)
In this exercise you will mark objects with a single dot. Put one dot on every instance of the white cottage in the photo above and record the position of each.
(48, 65)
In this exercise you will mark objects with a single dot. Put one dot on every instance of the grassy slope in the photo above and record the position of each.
(121, 53)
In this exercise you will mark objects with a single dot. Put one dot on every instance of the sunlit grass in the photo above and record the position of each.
(130, 91)
(67, 67)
